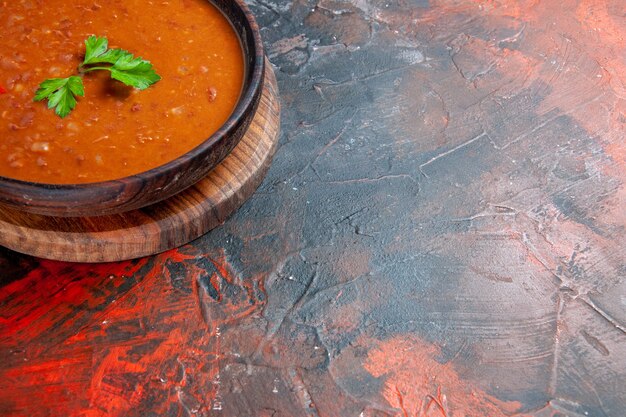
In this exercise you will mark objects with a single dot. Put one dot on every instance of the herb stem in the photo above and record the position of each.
(95, 68)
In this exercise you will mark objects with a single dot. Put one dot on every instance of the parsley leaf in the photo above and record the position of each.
(123, 66)
(94, 48)
(135, 72)
(97, 52)
(61, 93)
(112, 55)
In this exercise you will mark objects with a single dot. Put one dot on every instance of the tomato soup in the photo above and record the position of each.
(115, 130)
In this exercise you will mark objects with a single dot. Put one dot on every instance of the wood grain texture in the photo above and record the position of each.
(162, 226)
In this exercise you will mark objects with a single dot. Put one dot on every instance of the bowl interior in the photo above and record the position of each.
(132, 192)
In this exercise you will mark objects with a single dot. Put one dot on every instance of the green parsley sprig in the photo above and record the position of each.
(61, 93)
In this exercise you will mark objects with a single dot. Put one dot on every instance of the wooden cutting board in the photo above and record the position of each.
(165, 225)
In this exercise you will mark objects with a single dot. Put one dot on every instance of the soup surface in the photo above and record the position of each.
(115, 130)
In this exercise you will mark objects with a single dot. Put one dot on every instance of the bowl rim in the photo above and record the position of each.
(21, 193)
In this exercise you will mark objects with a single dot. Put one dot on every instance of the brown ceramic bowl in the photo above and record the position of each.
(133, 192)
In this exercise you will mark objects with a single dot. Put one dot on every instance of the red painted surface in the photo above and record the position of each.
(110, 339)
(421, 386)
